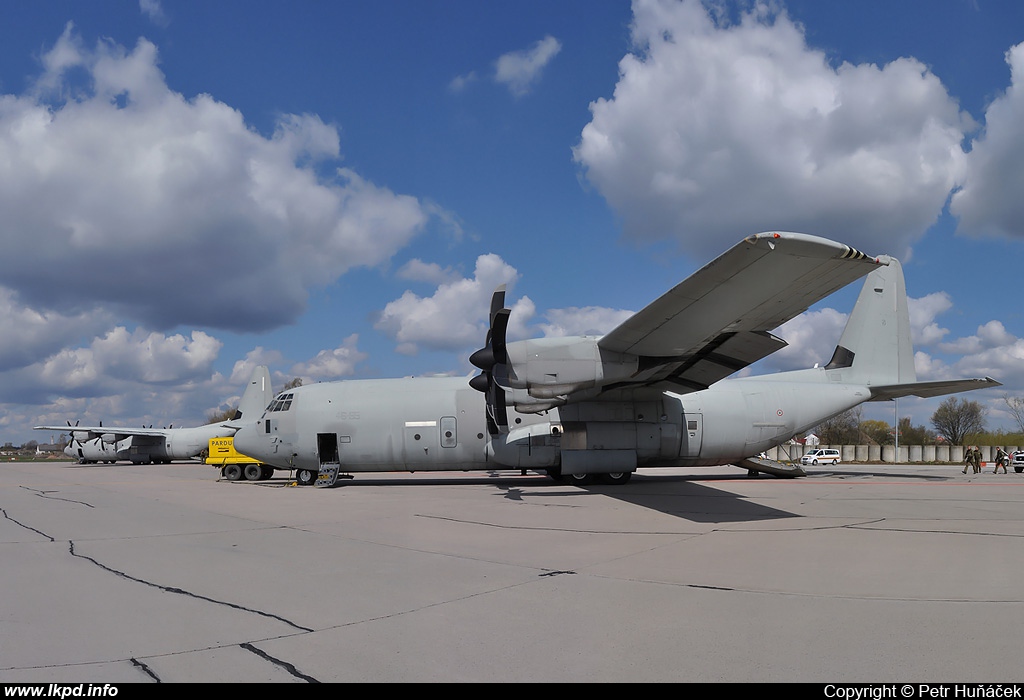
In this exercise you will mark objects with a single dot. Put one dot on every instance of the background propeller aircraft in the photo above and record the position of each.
(652, 392)
(91, 444)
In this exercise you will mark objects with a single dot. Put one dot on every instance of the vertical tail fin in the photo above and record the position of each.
(258, 394)
(875, 347)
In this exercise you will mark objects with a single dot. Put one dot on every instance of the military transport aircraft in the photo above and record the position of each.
(91, 444)
(652, 392)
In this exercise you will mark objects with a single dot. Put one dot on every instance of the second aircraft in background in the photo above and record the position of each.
(90, 444)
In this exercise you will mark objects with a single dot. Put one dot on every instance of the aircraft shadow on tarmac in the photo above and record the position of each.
(683, 497)
(674, 495)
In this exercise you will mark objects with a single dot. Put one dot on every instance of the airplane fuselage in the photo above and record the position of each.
(438, 423)
(170, 444)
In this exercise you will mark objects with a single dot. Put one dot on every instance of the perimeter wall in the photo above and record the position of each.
(887, 453)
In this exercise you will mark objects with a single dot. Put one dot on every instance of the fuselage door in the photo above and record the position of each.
(327, 448)
(693, 429)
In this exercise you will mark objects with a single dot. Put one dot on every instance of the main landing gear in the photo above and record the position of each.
(610, 479)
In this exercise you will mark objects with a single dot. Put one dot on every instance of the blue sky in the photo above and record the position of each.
(334, 189)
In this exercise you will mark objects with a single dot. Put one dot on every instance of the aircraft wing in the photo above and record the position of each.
(716, 321)
(88, 432)
(927, 390)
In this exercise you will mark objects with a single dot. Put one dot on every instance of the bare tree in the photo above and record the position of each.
(1015, 405)
(956, 418)
(843, 429)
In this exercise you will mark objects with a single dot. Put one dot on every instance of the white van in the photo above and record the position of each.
(821, 456)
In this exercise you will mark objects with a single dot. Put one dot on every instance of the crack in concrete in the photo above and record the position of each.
(180, 591)
(27, 527)
(278, 662)
(46, 494)
(145, 669)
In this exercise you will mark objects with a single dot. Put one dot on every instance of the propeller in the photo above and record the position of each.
(492, 360)
(75, 437)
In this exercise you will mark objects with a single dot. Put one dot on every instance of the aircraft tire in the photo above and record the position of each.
(267, 473)
(578, 479)
(305, 477)
(556, 474)
(253, 472)
(232, 472)
(615, 478)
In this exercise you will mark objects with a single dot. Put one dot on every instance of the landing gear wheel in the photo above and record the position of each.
(267, 473)
(305, 477)
(578, 479)
(232, 472)
(253, 472)
(615, 478)
(556, 474)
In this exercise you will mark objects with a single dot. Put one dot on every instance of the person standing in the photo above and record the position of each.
(977, 460)
(1000, 460)
(969, 459)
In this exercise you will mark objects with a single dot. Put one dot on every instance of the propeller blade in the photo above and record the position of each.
(492, 360)
(497, 302)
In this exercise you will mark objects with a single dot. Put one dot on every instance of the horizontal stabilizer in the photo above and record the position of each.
(770, 466)
(927, 390)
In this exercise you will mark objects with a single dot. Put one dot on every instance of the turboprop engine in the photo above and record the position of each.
(537, 375)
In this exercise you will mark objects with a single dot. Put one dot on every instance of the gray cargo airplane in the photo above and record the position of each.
(653, 392)
(91, 444)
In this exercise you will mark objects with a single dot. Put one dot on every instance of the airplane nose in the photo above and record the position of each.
(247, 442)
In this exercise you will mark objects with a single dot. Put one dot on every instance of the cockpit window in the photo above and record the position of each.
(281, 403)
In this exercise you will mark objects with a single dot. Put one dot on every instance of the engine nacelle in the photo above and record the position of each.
(548, 368)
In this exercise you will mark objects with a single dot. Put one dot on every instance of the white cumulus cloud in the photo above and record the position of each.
(520, 70)
(455, 317)
(332, 364)
(103, 167)
(990, 200)
(718, 129)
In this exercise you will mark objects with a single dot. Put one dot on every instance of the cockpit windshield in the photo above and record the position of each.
(283, 402)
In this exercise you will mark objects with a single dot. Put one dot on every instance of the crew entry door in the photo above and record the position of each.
(327, 448)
